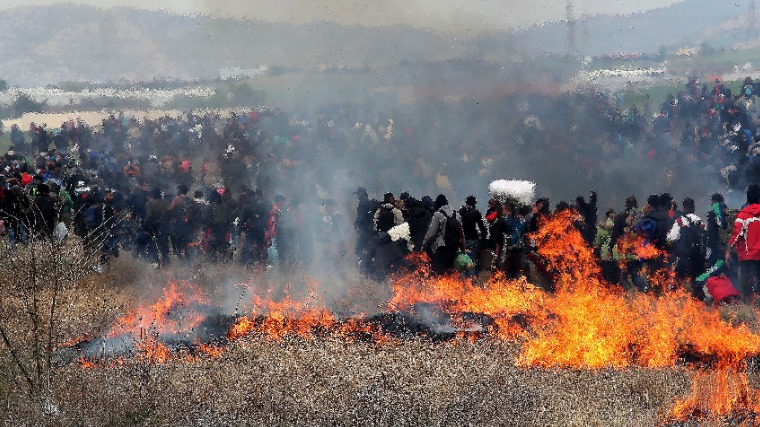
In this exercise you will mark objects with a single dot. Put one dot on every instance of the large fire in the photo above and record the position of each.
(582, 323)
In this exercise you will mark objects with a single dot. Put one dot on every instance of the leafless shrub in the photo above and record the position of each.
(39, 289)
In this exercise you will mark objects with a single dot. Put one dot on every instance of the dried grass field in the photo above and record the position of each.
(296, 382)
(257, 380)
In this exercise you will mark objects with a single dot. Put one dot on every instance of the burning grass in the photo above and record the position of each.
(277, 348)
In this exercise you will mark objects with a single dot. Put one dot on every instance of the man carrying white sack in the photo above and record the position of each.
(518, 191)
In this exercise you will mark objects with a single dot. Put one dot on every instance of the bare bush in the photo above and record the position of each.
(41, 305)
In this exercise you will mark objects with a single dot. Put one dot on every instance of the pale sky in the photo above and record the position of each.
(460, 16)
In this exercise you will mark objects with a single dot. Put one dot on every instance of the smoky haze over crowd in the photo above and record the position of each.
(172, 248)
(451, 122)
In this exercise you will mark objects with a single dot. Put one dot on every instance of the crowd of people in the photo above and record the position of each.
(184, 189)
(268, 188)
(715, 256)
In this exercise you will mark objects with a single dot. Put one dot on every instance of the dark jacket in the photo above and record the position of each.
(663, 224)
(364, 214)
(155, 214)
(589, 213)
(716, 220)
(419, 220)
(45, 214)
(472, 223)
(17, 205)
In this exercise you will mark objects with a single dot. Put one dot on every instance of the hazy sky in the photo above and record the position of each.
(460, 16)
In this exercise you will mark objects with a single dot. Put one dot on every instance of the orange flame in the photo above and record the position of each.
(153, 351)
(211, 351)
(499, 298)
(636, 246)
(595, 326)
(278, 319)
(175, 312)
(584, 323)
(85, 363)
(717, 394)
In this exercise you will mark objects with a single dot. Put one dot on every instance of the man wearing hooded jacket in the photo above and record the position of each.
(442, 256)
(746, 241)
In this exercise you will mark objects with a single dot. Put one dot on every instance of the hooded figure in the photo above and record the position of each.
(419, 216)
(442, 255)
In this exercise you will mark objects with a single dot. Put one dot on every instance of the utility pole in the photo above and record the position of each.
(570, 16)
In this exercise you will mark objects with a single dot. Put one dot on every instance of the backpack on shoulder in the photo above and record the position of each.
(692, 239)
(385, 220)
(453, 236)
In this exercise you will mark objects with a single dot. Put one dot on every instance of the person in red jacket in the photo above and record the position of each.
(745, 239)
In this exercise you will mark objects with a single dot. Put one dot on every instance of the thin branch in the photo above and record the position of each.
(16, 359)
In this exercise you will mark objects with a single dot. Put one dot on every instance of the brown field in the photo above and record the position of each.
(260, 382)
(93, 118)
(297, 381)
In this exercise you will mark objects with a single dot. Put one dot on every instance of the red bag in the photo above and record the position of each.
(721, 288)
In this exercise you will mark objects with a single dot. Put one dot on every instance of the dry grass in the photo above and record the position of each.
(259, 382)
(323, 382)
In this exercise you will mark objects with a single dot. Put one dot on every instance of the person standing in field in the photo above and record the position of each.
(745, 240)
